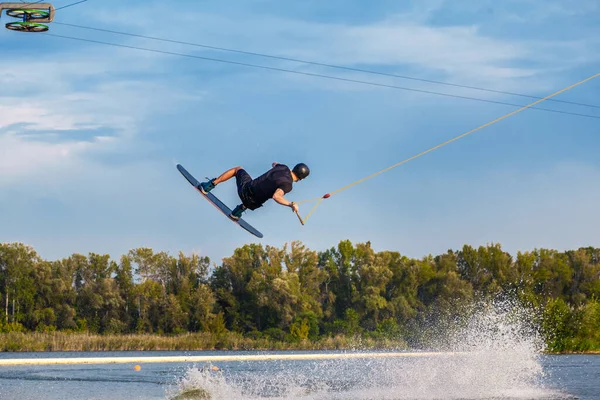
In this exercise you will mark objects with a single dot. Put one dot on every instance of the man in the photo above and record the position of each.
(273, 184)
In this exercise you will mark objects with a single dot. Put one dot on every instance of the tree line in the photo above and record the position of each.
(294, 293)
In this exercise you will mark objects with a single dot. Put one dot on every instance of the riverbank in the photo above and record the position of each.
(75, 342)
(59, 341)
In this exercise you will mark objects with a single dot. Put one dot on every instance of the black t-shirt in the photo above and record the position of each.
(264, 187)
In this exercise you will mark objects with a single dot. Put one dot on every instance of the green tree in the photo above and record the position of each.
(17, 265)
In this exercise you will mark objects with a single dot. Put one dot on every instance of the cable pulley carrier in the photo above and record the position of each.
(31, 19)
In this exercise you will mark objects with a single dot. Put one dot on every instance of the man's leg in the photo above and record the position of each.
(242, 178)
(206, 187)
(227, 175)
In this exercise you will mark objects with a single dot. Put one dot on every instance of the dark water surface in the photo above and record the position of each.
(477, 376)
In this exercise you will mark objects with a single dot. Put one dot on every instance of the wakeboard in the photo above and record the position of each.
(218, 203)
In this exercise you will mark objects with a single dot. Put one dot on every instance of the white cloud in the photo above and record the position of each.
(38, 116)
(19, 158)
(459, 54)
(73, 110)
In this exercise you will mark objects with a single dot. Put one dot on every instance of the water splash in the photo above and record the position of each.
(490, 351)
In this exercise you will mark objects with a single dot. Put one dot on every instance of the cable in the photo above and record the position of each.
(315, 75)
(318, 63)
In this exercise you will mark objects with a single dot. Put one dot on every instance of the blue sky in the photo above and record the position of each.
(90, 134)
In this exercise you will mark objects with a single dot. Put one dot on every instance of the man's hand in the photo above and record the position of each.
(294, 207)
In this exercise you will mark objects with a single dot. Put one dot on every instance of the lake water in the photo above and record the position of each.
(480, 375)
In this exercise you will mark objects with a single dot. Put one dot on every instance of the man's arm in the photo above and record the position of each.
(278, 197)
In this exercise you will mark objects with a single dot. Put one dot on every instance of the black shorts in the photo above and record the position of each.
(243, 179)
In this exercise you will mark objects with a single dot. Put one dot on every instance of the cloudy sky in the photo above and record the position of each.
(90, 133)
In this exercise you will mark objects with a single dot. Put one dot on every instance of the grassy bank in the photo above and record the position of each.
(59, 341)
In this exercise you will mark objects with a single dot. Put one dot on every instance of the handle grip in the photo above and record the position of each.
(299, 218)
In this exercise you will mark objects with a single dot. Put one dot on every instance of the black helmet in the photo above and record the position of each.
(301, 171)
